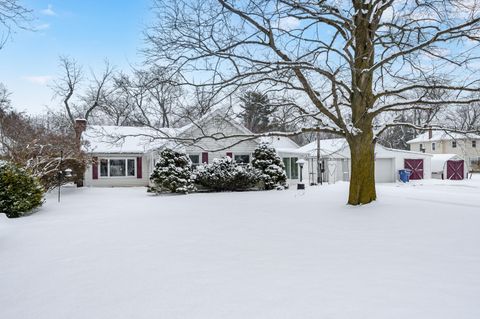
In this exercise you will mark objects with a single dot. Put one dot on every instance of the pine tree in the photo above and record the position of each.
(20, 191)
(266, 160)
(256, 112)
(173, 173)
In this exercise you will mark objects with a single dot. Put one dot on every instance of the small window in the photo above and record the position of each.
(294, 167)
(131, 167)
(454, 144)
(475, 163)
(421, 147)
(474, 143)
(242, 159)
(433, 146)
(286, 162)
(104, 167)
(195, 159)
(291, 167)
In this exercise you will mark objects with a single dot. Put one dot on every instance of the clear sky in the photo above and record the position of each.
(87, 30)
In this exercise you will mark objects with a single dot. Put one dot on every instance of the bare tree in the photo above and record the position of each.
(350, 61)
(12, 15)
(28, 142)
(464, 117)
(77, 101)
(4, 98)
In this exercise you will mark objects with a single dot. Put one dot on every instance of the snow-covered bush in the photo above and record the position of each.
(224, 174)
(172, 173)
(20, 192)
(266, 160)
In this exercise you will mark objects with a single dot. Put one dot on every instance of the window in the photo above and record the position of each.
(291, 167)
(117, 168)
(454, 144)
(433, 146)
(195, 158)
(294, 168)
(286, 162)
(242, 159)
(474, 143)
(130, 167)
(103, 167)
(475, 164)
(121, 167)
(421, 148)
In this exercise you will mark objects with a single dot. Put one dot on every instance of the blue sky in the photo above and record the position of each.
(86, 30)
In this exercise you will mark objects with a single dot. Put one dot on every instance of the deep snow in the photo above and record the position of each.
(120, 253)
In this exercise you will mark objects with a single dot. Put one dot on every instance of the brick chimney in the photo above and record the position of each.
(430, 134)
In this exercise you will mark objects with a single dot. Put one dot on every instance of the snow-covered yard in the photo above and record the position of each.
(120, 253)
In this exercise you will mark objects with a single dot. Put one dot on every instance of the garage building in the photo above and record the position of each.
(335, 159)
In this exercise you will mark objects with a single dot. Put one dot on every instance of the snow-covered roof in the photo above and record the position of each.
(136, 139)
(382, 150)
(126, 139)
(439, 160)
(338, 147)
(281, 144)
(442, 136)
(328, 147)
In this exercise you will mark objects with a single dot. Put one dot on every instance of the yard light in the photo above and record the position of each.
(300, 163)
(68, 172)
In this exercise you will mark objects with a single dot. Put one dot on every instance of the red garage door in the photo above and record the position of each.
(416, 167)
(455, 169)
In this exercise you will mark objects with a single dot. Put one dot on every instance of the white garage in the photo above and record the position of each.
(385, 170)
(335, 155)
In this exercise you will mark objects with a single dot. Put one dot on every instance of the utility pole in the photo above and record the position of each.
(60, 175)
(319, 165)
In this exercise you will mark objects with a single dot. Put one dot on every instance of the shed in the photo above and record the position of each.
(448, 166)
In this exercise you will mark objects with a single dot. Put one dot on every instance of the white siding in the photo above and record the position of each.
(219, 148)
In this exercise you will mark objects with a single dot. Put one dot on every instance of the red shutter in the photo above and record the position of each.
(95, 168)
(230, 154)
(139, 167)
(204, 158)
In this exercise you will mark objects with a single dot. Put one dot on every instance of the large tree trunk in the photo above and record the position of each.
(362, 177)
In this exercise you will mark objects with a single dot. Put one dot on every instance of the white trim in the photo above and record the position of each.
(108, 167)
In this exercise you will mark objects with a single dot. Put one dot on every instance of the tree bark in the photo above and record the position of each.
(362, 177)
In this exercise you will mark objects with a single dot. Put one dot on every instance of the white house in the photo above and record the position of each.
(467, 146)
(336, 162)
(125, 156)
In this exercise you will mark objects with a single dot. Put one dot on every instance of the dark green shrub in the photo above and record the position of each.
(225, 174)
(266, 160)
(20, 192)
(172, 173)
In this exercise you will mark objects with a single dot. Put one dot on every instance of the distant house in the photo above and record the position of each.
(126, 156)
(467, 146)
